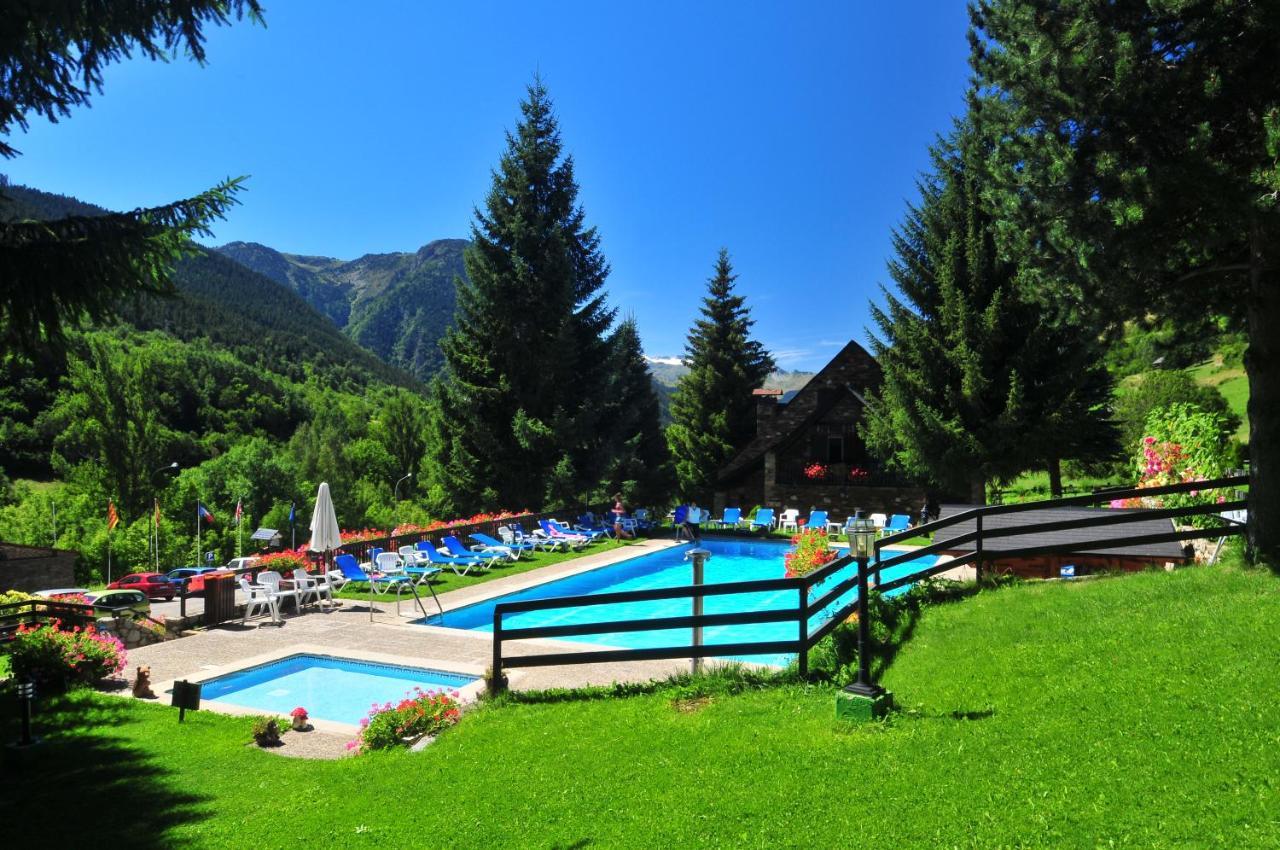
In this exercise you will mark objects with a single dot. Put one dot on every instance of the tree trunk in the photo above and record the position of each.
(1055, 477)
(977, 489)
(1262, 363)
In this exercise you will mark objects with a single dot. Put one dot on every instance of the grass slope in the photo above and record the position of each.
(1135, 711)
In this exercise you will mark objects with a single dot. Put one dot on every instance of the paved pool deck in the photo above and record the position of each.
(346, 630)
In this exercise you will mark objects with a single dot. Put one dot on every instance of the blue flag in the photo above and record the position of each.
(292, 512)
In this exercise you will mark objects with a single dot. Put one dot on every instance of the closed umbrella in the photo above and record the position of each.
(325, 535)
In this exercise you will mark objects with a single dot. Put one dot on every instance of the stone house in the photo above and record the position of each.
(30, 568)
(807, 454)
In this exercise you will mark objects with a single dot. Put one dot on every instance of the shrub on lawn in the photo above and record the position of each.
(57, 659)
(389, 726)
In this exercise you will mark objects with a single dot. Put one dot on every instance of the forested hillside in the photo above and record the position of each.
(396, 305)
(256, 396)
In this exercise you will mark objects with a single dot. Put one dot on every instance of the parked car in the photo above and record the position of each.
(152, 584)
(241, 563)
(103, 600)
(108, 600)
(177, 577)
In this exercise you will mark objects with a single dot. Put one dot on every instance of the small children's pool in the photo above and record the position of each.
(337, 689)
(731, 560)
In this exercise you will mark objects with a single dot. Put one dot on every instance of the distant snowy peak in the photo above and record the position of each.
(665, 361)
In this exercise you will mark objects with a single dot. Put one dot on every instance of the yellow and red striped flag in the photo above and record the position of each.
(113, 518)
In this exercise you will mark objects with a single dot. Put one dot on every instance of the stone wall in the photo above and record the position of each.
(132, 632)
(840, 502)
(32, 568)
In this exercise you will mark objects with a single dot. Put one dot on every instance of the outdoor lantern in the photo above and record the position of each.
(862, 538)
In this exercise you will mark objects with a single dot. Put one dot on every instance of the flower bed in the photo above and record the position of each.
(811, 553)
(56, 658)
(389, 726)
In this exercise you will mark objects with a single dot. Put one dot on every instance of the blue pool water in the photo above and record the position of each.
(731, 560)
(337, 689)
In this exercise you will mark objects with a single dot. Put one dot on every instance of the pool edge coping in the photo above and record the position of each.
(468, 695)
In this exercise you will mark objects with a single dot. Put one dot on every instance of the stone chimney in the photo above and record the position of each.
(766, 406)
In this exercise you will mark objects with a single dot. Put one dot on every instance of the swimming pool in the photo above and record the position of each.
(329, 688)
(731, 560)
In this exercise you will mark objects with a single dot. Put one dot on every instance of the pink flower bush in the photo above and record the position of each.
(49, 654)
(420, 713)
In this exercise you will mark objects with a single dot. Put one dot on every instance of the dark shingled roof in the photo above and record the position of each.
(1155, 551)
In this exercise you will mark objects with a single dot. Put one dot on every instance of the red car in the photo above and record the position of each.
(152, 584)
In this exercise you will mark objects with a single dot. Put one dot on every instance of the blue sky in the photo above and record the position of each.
(790, 133)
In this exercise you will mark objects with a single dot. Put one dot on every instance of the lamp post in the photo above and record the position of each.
(396, 491)
(863, 699)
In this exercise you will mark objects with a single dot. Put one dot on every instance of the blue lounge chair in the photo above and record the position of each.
(731, 518)
(592, 536)
(457, 550)
(414, 563)
(817, 519)
(351, 571)
(764, 519)
(452, 562)
(896, 523)
(588, 524)
(515, 547)
(643, 522)
(551, 532)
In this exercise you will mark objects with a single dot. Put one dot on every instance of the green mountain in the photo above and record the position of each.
(396, 305)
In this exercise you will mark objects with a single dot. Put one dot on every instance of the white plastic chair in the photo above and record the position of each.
(270, 579)
(258, 598)
(879, 520)
(316, 587)
(789, 520)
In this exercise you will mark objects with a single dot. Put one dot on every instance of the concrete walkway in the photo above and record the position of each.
(346, 630)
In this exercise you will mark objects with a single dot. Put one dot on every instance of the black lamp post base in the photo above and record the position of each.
(863, 702)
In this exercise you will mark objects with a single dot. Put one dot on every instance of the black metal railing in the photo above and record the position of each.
(866, 576)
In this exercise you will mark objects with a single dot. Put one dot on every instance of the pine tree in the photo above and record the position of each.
(979, 383)
(1138, 149)
(639, 465)
(51, 59)
(712, 411)
(526, 361)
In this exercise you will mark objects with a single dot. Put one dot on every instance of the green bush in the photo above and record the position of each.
(1158, 390)
(57, 659)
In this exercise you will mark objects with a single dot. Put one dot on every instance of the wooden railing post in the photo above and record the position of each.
(977, 542)
(802, 621)
(497, 682)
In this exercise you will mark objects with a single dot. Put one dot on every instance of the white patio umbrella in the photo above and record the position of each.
(325, 535)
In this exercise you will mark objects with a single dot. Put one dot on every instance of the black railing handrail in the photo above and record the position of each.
(1068, 501)
(806, 609)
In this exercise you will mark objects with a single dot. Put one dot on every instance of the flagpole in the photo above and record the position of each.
(239, 522)
(197, 531)
(108, 556)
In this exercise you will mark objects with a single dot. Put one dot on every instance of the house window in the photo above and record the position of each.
(835, 448)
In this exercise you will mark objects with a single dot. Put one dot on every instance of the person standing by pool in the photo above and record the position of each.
(692, 519)
(619, 511)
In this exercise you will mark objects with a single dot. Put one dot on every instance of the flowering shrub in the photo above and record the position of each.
(283, 562)
(361, 535)
(436, 525)
(858, 473)
(815, 471)
(73, 598)
(811, 552)
(1183, 443)
(421, 713)
(49, 655)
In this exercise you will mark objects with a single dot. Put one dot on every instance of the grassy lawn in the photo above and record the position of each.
(1234, 386)
(447, 580)
(1034, 486)
(1136, 711)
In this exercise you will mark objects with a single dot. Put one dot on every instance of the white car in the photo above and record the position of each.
(241, 563)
